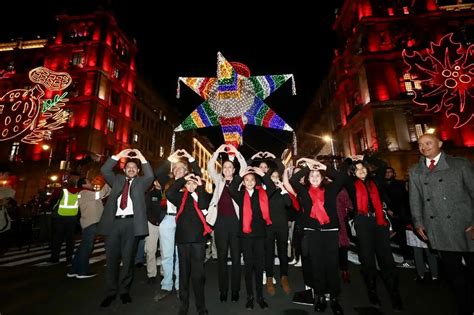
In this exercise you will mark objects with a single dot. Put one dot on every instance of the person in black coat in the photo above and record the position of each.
(191, 231)
(278, 231)
(321, 228)
(372, 227)
(254, 216)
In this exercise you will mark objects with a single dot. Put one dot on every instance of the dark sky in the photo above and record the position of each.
(268, 39)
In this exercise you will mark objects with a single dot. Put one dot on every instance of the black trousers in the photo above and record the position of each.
(374, 240)
(461, 278)
(306, 260)
(280, 234)
(324, 255)
(254, 250)
(63, 230)
(120, 246)
(191, 267)
(226, 230)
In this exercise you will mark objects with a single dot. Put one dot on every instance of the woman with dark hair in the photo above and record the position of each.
(372, 228)
(223, 215)
(321, 225)
(278, 231)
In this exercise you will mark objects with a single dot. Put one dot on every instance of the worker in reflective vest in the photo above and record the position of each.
(64, 221)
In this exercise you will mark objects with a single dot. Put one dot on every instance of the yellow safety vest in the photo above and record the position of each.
(68, 206)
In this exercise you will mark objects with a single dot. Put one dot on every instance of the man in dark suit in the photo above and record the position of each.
(442, 205)
(124, 220)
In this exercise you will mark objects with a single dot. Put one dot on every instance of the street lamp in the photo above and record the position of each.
(46, 147)
(329, 140)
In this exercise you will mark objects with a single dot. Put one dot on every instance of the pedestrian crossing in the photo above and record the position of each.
(38, 255)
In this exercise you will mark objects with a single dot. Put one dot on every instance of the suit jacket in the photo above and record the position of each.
(219, 182)
(441, 201)
(138, 188)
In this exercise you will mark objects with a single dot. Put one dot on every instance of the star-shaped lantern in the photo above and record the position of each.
(234, 99)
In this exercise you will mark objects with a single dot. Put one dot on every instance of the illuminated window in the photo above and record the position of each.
(409, 83)
(135, 137)
(116, 73)
(103, 87)
(164, 118)
(14, 151)
(110, 124)
(77, 59)
(162, 151)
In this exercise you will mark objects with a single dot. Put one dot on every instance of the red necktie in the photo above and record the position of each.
(124, 200)
(432, 165)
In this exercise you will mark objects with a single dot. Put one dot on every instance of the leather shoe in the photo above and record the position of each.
(161, 295)
(374, 299)
(107, 301)
(126, 298)
(249, 304)
(223, 297)
(263, 304)
(235, 296)
(336, 307)
(320, 303)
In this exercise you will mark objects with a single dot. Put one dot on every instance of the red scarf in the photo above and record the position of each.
(207, 229)
(317, 210)
(363, 200)
(295, 202)
(247, 209)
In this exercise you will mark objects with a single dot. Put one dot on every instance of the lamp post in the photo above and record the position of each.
(46, 147)
(329, 139)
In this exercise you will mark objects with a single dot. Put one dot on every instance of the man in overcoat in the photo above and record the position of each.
(442, 204)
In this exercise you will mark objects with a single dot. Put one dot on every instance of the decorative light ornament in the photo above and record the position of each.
(234, 99)
(23, 110)
(446, 72)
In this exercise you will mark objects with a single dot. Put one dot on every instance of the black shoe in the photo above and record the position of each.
(139, 265)
(336, 307)
(304, 297)
(320, 303)
(126, 298)
(205, 312)
(263, 304)
(235, 296)
(397, 304)
(107, 301)
(374, 299)
(161, 295)
(249, 304)
(151, 280)
(223, 297)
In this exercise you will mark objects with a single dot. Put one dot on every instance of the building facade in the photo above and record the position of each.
(365, 102)
(110, 107)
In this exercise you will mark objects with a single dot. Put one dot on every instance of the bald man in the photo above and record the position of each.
(442, 206)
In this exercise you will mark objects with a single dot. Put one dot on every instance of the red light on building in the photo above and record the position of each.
(390, 11)
(364, 9)
(406, 10)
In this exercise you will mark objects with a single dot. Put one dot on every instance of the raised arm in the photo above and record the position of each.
(211, 164)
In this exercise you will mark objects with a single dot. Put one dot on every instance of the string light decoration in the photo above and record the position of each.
(446, 72)
(234, 99)
(23, 112)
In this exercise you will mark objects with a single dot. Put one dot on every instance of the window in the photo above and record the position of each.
(14, 151)
(162, 151)
(77, 59)
(116, 73)
(103, 87)
(110, 124)
(135, 137)
(410, 84)
(115, 98)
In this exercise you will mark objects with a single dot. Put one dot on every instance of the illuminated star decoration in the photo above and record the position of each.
(446, 72)
(24, 112)
(234, 99)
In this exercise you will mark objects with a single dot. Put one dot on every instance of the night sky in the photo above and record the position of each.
(274, 40)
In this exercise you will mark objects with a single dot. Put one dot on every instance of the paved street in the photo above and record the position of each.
(34, 288)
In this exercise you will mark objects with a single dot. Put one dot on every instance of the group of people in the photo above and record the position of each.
(249, 210)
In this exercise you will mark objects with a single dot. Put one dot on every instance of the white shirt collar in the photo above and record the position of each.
(250, 191)
(436, 159)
